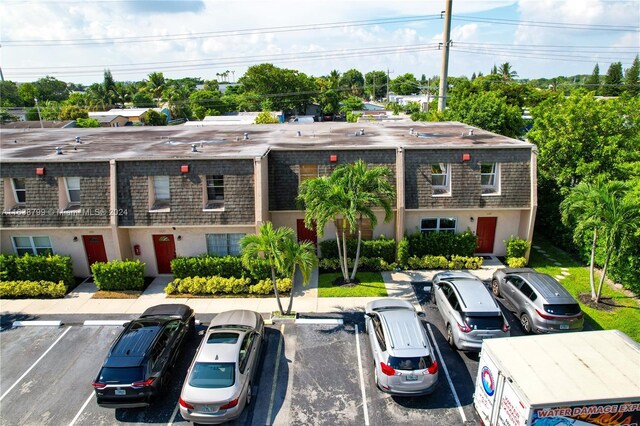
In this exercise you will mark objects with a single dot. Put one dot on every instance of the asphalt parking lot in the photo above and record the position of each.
(311, 374)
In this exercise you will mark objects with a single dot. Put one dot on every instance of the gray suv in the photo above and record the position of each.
(469, 311)
(404, 361)
(538, 300)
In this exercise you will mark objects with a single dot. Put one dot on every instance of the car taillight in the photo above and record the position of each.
(464, 327)
(98, 385)
(434, 368)
(545, 316)
(387, 370)
(185, 404)
(230, 404)
(505, 327)
(143, 384)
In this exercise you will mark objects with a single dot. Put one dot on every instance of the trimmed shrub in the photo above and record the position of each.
(442, 243)
(516, 262)
(51, 268)
(365, 264)
(208, 285)
(516, 247)
(118, 275)
(379, 247)
(403, 251)
(207, 266)
(441, 262)
(32, 289)
(266, 286)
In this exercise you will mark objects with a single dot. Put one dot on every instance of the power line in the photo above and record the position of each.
(543, 24)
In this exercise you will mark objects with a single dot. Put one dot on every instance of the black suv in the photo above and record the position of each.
(139, 363)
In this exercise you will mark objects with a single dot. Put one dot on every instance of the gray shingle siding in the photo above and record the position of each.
(515, 177)
(186, 192)
(284, 169)
(42, 194)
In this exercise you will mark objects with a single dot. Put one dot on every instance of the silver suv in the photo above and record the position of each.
(469, 311)
(538, 300)
(405, 364)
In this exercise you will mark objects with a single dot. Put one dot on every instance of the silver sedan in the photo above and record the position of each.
(219, 380)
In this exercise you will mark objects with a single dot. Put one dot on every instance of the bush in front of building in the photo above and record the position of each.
(221, 285)
(441, 262)
(516, 247)
(380, 247)
(207, 266)
(365, 264)
(403, 251)
(46, 289)
(118, 275)
(516, 262)
(46, 267)
(266, 286)
(442, 243)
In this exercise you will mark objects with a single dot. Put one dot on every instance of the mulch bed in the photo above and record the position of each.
(606, 304)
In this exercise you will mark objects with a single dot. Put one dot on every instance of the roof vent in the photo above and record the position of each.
(361, 132)
(246, 136)
(411, 131)
(15, 141)
(470, 132)
(299, 134)
(78, 139)
(58, 150)
(193, 148)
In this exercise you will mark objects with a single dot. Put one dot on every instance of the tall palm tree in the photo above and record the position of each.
(268, 245)
(334, 79)
(506, 72)
(349, 194)
(298, 256)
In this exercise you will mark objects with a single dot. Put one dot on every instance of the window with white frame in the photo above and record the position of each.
(224, 244)
(438, 224)
(72, 186)
(490, 178)
(215, 192)
(441, 178)
(19, 191)
(161, 199)
(32, 245)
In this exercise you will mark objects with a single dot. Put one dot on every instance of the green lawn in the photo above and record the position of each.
(624, 317)
(371, 285)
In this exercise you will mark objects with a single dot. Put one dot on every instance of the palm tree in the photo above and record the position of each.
(298, 256)
(156, 84)
(334, 79)
(506, 72)
(268, 245)
(349, 194)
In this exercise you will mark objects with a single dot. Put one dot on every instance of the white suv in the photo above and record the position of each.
(404, 360)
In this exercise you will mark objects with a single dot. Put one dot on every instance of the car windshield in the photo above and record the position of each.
(410, 363)
(120, 375)
(227, 338)
(566, 309)
(477, 322)
(213, 375)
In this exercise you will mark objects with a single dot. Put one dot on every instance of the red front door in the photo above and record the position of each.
(486, 232)
(94, 247)
(165, 252)
(305, 234)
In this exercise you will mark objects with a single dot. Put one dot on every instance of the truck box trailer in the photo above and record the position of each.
(579, 379)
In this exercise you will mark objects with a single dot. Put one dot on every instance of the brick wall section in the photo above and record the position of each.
(186, 192)
(465, 178)
(284, 170)
(42, 195)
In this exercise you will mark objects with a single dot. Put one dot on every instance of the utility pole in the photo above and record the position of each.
(387, 84)
(1, 76)
(39, 116)
(442, 99)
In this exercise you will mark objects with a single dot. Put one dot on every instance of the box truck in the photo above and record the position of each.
(579, 379)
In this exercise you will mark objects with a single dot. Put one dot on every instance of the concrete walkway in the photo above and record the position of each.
(306, 300)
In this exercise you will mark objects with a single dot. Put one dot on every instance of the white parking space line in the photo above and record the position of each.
(75, 419)
(364, 394)
(37, 323)
(323, 321)
(101, 323)
(446, 373)
(34, 364)
(275, 375)
(173, 416)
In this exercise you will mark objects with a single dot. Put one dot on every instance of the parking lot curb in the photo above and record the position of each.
(329, 321)
(37, 323)
(98, 323)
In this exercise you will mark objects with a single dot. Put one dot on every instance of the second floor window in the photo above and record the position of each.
(72, 185)
(489, 178)
(161, 193)
(19, 190)
(440, 178)
(215, 192)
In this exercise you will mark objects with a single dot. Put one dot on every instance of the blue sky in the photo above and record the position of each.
(75, 40)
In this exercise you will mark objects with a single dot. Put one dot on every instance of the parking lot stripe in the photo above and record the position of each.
(173, 416)
(37, 323)
(446, 373)
(325, 321)
(34, 364)
(75, 419)
(364, 394)
(275, 374)
(101, 323)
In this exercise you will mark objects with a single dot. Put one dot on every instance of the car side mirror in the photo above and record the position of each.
(422, 314)
(126, 323)
(201, 333)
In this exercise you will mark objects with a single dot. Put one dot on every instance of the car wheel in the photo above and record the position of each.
(249, 395)
(495, 287)
(450, 336)
(525, 321)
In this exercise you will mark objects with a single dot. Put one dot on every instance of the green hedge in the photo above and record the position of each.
(380, 247)
(219, 266)
(516, 247)
(516, 262)
(118, 275)
(223, 285)
(41, 288)
(441, 262)
(370, 264)
(442, 244)
(51, 268)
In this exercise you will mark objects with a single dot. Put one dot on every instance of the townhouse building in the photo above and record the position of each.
(157, 193)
